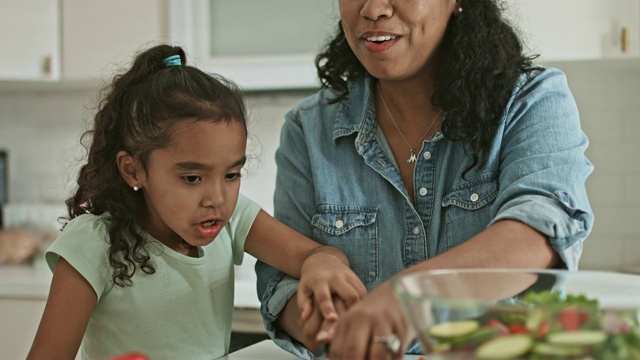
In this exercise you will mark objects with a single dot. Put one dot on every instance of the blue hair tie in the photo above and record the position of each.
(173, 60)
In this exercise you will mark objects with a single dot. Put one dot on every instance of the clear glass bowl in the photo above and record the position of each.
(523, 314)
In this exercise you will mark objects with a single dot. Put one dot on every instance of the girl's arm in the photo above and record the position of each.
(326, 269)
(69, 306)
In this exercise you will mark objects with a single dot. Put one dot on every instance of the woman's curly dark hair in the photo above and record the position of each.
(483, 58)
(136, 114)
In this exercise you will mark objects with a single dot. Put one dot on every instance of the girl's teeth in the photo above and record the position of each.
(208, 223)
(380, 38)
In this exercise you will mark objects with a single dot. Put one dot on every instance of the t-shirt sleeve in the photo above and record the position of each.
(240, 224)
(83, 244)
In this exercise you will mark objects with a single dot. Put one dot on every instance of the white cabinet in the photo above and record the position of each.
(30, 37)
(579, 29)
(266, 44)
(99, 35)
(76, 39)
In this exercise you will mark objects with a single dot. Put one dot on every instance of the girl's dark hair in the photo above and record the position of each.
(481, 60)
(136, 114)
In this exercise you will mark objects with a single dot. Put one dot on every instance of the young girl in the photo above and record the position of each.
(146, 261)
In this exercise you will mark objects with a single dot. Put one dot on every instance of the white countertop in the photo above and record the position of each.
(32, 282)
(268, 350)
(24, 282)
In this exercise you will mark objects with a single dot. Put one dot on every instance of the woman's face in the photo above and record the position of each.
(396, 39)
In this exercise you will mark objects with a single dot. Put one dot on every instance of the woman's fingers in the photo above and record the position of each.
(367, 330)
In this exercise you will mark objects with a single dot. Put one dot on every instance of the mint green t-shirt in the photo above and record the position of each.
(182, 311)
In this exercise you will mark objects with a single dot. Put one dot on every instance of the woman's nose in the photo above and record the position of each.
(376, 9)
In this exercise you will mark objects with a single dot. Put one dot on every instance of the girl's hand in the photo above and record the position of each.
(378, 314)
(323, 276)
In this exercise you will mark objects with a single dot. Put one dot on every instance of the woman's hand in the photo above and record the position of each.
(324, 276)
(378, 314)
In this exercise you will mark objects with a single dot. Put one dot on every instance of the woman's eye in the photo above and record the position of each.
(232, 176)
(191, 179)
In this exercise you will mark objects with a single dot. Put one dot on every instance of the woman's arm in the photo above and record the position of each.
(66, 315)
(506, 244)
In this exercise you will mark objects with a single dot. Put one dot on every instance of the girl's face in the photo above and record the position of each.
(396, 39)
(191, 187)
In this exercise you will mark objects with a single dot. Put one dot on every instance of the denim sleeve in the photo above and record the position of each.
(544, 169)
(293, 203)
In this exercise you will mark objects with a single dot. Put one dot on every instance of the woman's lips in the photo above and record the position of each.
(379, 43)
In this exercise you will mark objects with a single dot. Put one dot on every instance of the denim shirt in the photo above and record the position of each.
(338, 184)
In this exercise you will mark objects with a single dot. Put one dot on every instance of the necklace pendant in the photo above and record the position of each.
(412, 158)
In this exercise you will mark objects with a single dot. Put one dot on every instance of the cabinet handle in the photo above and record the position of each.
(624, 39)
(47, 65)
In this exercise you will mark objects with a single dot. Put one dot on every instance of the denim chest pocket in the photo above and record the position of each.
(467, 208)
(354, 230)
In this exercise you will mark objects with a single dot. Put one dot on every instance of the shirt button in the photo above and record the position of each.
(416, 230)
(423, 191)
(474, 197)
(426, 155)
(339, 224)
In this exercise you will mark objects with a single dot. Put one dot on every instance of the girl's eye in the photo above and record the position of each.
(232, 176)
(191, 179)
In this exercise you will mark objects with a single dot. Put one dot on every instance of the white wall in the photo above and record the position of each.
(609, 102)
(41, 130)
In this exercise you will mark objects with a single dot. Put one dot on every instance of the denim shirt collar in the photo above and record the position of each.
(357, 112)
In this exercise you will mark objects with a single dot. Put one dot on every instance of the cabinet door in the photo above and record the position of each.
(29, 33)
(101, 36)
(20, 319)
(261, 45)
(579, 29)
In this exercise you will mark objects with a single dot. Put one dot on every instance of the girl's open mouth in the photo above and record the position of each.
(209, 229)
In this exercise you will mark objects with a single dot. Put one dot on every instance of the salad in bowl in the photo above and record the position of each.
(523, 314)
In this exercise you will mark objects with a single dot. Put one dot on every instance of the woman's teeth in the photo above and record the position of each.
(208, 223)
(381, 38)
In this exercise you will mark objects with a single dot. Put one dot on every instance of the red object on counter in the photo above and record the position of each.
(131, 356)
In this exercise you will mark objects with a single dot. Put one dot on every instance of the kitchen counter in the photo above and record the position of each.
(24, 282)
(268, 350)
(23, 295)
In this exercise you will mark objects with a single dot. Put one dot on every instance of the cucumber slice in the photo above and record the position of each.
(505, 347)
(476, 337)
(578, 338)
(451, 329)
(548, 349)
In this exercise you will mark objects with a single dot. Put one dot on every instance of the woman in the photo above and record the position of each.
(434, 143)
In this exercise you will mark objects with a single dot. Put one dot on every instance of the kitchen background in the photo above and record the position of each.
(45, 107)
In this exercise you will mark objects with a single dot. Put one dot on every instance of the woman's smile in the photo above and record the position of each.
(378, 42)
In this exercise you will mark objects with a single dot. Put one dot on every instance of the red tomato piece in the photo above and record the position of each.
(518, 329)
(503, 329)
(569, 319)
(542, 329)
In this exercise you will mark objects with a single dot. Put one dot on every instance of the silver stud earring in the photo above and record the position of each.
(459, 9)
(136, 188)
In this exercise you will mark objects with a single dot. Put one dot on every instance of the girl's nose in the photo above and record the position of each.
(376, 9)
(213, 196)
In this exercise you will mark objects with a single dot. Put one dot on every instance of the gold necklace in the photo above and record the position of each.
(412, 159)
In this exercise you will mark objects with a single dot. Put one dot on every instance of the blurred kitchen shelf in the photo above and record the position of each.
(23, 86)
